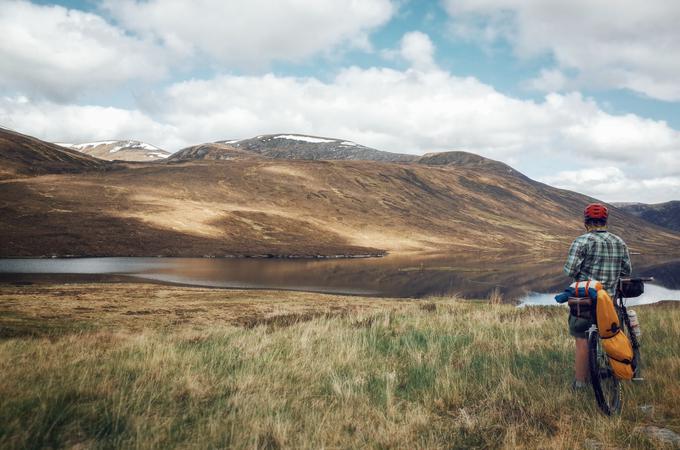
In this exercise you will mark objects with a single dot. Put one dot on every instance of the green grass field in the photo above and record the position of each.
(436, 373)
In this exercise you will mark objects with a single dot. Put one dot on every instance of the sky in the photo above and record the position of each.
(583, 95)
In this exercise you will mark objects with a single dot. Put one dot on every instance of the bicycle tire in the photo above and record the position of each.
(606, 386)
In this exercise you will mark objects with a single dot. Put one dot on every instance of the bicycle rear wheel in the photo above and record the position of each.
(605, 385)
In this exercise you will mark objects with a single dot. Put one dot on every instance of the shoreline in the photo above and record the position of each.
(253, 256)
(47, 281)
(68, 279)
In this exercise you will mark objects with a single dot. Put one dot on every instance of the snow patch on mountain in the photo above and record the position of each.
(86, 144)
(295, 137)
(306, 147)
(133, 145)
(132, 150)
(119, 145)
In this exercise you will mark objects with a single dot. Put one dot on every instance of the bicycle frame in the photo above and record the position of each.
(620, 304)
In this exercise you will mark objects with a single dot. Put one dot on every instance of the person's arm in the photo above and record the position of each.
(575, 258)
(626, 267)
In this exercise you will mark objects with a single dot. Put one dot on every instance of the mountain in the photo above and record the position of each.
(304, 147)
(463, 205)
(128, 150)
(212, 152)
(299, 146)
(665, 215)
(26, 155)
(468, 160)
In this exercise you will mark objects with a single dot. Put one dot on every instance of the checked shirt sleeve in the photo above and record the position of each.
(626, 267)
(574, 259)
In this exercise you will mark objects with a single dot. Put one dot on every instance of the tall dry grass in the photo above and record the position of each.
(435, 374)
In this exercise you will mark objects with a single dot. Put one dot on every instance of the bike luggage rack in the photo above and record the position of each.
(578, 303)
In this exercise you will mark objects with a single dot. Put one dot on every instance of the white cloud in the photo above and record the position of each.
(394, 110)
(253, 33)
(61, 53)
(73, 123)
(418, 50)
(612, 44)
(549, 80)
(614, 185)
(57, 52)
(415, 111)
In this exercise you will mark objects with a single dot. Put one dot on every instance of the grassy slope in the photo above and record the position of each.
(93, 366)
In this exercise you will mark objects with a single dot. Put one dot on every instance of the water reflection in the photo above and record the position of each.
(515, 277)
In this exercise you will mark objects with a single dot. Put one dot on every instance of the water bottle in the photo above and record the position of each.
(634, 323)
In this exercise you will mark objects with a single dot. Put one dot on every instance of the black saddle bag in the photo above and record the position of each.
(631, 288)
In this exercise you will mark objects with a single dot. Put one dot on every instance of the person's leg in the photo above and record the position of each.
(581, 360)
(578, 327)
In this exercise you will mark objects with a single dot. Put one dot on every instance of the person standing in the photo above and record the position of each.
(596, 255)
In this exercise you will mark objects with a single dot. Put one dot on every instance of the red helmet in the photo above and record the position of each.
(596, 211)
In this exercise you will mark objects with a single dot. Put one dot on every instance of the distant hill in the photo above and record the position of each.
(466, 159)
(25, 155)
(212, 152)
(125, 150)
(665, 215)
(299, 146)
(453, 203)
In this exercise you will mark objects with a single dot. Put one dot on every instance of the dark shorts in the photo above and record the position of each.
(578, 326)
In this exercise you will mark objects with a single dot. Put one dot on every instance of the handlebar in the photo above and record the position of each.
(643, 279)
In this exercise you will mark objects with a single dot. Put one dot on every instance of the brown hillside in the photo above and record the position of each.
(26, 155)
(286, 207)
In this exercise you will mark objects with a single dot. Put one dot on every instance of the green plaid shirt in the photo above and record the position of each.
(598, 255)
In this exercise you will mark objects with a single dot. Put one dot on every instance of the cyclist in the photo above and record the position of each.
(595, 255)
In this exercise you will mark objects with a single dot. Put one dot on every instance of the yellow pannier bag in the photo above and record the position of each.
(618, 347)
(614, 342)
(622, 371)
(607, 320)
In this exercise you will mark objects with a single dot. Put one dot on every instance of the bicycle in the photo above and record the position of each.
(606, 386)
